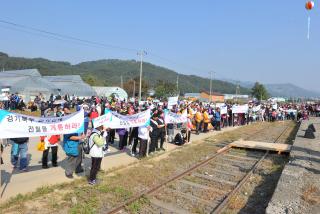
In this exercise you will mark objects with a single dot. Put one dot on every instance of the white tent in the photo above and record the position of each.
(108, 91)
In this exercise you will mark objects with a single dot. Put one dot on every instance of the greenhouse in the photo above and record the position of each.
(28, 83)
(72, 85)
(111, 91)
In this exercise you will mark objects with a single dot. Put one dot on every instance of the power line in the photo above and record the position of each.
(76, 40)
(173, 62)
(48, 36)
(65, 36)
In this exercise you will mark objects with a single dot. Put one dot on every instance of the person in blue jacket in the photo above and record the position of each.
(217, 118)
(72, 148)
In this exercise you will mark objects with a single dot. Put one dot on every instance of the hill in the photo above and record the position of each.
(290, 90)
(281, 90)
(107, 73)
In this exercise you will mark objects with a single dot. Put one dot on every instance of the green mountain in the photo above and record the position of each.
(108, 73)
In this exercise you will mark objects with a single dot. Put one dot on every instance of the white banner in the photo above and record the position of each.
(223, 109)
(115, 120)
(240, 109)
(170, 117)
(219, 105)
(256, 108)
(172, 101)
(275, 106)
(13, 125)
(291, 111)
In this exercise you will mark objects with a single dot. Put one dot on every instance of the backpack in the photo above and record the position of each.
(70, 147)
(178, 140)
(86, 144)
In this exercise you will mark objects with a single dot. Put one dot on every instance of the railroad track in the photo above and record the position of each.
(206, 187)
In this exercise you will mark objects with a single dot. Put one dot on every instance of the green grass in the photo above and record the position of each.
(88, 206)
(121, 192)
(19, 199)
(103, 188)
(136, 206)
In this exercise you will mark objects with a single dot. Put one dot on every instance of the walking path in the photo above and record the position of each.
(13, 182)
(298, 190)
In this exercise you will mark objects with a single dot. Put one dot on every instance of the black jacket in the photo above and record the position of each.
(21, 140)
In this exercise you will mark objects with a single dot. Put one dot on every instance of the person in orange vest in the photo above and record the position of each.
(206, 120)
(199, 120)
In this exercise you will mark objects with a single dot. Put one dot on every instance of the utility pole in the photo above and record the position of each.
(237, 90)
(178, 85)
(141, 54)
(210, 98)
(121, 82)
(212, 73)
(134, 89)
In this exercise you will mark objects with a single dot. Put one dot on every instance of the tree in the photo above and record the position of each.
(131, 87)
(90, 79)
(165, 89)
(107, 73)
(259, 91)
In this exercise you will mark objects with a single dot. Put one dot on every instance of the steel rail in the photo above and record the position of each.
(225, 202)
(176, 177)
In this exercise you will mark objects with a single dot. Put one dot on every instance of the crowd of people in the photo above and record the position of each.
(139, 141)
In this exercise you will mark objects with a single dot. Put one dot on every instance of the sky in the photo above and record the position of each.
(245, 40)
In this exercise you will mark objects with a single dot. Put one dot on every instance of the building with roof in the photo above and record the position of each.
(236, 96)
(28, 83)
(111, 91)
(72, 85)
(213, 96)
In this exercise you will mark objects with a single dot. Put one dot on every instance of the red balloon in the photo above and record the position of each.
(309, 5)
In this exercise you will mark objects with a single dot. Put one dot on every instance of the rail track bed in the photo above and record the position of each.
(207, 186)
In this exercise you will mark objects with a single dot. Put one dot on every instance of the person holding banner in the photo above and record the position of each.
(162, 131)
(123, 138)
(133, 140)
(143, 134)
(73, 150)
(71, 146)
(154, 135)
(52, 142)
(96, 143)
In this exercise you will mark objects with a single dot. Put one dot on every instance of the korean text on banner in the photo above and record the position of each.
(13, 125)
(170, 117)
(115, 120)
